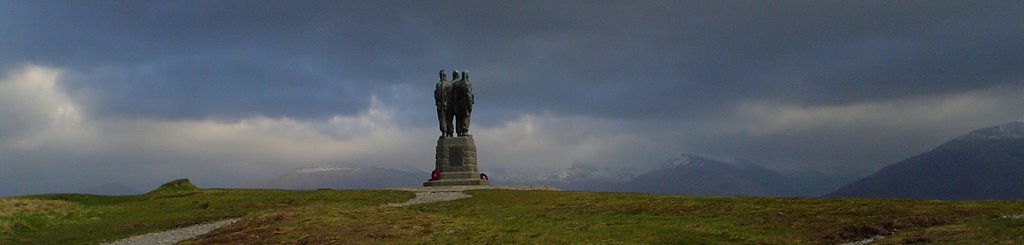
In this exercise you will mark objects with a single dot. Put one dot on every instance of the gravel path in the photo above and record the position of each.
(173, 236)
(448, 193)
(865, 241)
(423, 195)
(429, 197)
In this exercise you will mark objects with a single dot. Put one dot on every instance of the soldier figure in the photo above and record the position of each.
(462, 103)
(454, 99)
(452, 105)
(442, 93)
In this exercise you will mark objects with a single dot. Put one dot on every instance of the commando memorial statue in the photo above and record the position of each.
(455, 154)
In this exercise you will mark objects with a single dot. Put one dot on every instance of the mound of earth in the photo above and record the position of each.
(178, 187)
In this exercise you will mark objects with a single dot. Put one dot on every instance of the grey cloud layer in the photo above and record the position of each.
(232, 59)
(654, 77)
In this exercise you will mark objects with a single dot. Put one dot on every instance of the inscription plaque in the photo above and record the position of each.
(455, 156)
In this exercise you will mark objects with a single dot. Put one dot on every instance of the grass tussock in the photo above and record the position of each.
(15, 206)
(27, 214)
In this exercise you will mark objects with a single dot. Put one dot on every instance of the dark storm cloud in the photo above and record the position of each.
(164, 89)
(231, 59)
(214, 59)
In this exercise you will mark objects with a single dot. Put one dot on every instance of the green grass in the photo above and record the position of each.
(89, 219)
(507, 216)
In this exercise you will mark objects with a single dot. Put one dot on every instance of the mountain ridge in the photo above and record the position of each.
(696, 175)
(983, 164)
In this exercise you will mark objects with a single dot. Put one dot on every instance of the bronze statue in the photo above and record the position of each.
(452, 106)
(442, 91)
(462, 103)
(454, 99)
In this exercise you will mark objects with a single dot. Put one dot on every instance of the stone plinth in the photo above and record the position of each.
(455, 157)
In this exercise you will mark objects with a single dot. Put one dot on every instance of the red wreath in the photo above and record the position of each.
(435, 175)
(484, 176)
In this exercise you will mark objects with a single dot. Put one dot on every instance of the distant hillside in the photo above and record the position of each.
(683, 174)
(110, 189)
(987, 163)
(694, 175)
(579, 176)
(348, 177)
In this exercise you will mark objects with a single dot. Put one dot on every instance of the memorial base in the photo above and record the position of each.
(455, 158)
(444, 182)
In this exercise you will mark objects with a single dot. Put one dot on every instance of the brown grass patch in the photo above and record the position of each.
(17, 214)
(859, 231)
(321, 225)
(11, 207)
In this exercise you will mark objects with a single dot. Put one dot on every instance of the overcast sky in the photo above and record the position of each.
(229, 93)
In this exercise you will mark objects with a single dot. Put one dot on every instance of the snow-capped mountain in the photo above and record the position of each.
(1013, 130)
(987, 163)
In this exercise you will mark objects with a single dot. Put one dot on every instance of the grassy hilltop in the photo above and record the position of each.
(503, 216)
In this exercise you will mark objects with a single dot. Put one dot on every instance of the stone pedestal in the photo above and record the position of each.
(455, 157)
